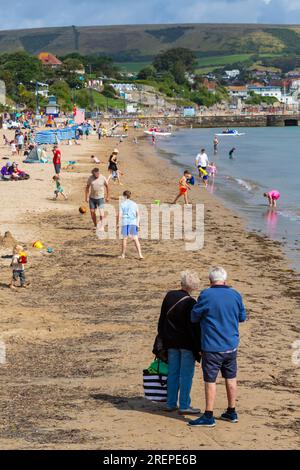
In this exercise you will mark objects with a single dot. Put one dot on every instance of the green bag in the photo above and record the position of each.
(158, 367)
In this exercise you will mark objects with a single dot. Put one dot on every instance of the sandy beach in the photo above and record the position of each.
(78, 339)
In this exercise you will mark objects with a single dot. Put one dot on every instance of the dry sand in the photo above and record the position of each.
(78, 339)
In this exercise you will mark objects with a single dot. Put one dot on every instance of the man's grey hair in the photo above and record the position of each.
(189, 280)
(217, 274)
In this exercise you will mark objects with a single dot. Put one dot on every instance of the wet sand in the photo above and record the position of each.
(78, 339)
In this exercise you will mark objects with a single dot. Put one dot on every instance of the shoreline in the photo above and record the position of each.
(231, 196)
(90, 319)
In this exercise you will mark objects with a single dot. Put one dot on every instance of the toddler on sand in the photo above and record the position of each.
(18, 261)
(58, 188)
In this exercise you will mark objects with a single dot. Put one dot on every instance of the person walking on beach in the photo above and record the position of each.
(181, 339)
(219, 310)
(20, 142)
(56, 159)
(273, 197)
(201, 163)
(96, 193)
(113, 167)
(184, 187)
(129, 220)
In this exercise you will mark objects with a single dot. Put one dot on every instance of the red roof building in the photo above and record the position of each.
(49, 59)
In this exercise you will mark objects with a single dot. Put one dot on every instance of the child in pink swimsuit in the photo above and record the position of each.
(273, 197)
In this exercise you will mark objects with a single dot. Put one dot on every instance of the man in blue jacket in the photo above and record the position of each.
(219, 310)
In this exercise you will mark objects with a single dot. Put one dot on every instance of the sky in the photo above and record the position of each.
(41, 13)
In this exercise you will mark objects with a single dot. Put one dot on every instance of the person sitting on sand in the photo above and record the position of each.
(5, 140)
(96, 193)
(129, 220)
(17, 174)
(6, 171)
(273, 197)
(184, 187)
(58, 188)
(95, 159)
(219, 310)
(181, 339)
(18, 261)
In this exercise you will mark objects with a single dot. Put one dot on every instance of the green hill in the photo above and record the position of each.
(139, 43)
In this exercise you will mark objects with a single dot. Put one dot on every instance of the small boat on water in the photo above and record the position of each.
(157, 132)
(232, 132)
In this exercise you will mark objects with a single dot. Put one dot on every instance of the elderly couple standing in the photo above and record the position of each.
(208, 328)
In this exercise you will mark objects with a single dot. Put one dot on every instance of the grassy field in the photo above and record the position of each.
(102, 102)
(205, 65)
(132, 67)
(222, 60)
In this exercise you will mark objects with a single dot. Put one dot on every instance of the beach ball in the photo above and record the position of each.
(82, 210)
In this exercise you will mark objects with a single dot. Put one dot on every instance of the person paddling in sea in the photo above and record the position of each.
(231, 152)
(273, 197)
(216, 143)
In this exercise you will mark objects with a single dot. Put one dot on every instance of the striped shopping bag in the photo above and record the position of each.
(155, 386)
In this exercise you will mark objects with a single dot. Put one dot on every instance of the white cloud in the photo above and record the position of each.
(37, 13)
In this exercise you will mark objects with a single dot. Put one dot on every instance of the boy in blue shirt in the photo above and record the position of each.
(129, 219)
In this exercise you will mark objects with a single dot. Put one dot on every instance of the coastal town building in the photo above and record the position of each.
(238, 91)
(49, 60)
(231, 74)
(266, 91)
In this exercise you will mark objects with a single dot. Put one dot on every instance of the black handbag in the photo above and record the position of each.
(158, 349)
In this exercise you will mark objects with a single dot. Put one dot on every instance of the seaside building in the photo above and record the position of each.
(231, 74)
(266, 91)
(2, 93)
(238, 92)
(49, 60)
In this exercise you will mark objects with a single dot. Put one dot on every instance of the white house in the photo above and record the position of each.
(238, 92)
(267, 91)
(232, 73)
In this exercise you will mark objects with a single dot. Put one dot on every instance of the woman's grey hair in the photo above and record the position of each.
(189, 280)
(217, 274)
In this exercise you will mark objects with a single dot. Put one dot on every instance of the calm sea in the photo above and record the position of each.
(265, 159)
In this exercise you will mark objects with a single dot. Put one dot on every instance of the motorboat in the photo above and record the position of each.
(232, 132)
(157, 132)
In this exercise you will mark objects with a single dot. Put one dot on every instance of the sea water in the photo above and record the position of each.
(265, 159)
